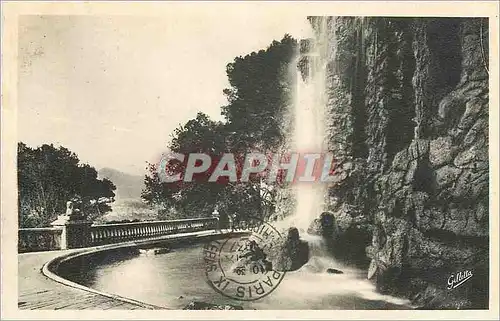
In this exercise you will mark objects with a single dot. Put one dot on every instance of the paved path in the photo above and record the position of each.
(36, 291)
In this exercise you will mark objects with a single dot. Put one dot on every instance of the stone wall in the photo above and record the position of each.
(39, 239)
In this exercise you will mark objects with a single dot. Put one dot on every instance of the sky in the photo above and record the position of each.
(113, 88)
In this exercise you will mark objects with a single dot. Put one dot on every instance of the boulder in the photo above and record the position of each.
(333, 271)
(323, 226)
(289, 253)
(346, 234)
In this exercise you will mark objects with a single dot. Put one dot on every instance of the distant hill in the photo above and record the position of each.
(127, 186)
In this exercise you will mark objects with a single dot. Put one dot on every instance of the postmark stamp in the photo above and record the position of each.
(241, 267)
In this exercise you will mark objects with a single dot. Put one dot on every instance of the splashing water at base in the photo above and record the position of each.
(316, 288)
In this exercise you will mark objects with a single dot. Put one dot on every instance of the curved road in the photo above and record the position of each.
(37, 291)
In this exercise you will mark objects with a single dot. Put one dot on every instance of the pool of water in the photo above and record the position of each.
(176, 278)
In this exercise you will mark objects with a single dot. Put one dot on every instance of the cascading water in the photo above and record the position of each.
(309, 114)
(308, 135)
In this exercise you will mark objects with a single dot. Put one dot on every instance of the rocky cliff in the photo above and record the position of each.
(408, 123)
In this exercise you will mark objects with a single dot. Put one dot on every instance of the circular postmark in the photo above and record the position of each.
(240, 267)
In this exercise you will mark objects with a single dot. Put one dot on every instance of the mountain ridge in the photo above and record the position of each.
(128, 186)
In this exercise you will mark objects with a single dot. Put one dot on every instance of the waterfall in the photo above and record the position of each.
(309, 121)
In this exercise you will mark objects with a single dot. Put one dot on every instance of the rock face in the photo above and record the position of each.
(409, 127)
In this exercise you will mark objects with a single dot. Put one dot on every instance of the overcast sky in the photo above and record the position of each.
(112, 89)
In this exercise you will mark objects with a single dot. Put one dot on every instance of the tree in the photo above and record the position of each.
(188, 199)
(258, 99)
(48, 177)
(260, 94)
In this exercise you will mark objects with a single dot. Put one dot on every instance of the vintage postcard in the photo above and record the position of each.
(249, 160)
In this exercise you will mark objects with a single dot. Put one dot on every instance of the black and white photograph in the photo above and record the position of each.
(217, 159)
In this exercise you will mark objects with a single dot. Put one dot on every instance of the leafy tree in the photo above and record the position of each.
(260, 93)
(48, 177)
(196, 198)
(258, 98)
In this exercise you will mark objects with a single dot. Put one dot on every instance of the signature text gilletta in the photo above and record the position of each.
(457, 279)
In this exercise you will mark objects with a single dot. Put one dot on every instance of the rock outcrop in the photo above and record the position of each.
(288, 253)
(345, 236)
(408, 102)
(325, 226)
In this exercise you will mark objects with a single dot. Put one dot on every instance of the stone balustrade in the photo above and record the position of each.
(39, 239)
(77, 234)
(113, 233)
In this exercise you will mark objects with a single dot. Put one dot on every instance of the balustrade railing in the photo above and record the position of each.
(74, 235)
(113, 233)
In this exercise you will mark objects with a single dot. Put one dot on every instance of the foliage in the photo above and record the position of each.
(257, 100)
(48, 177)
(199, 135)
(260, 92)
